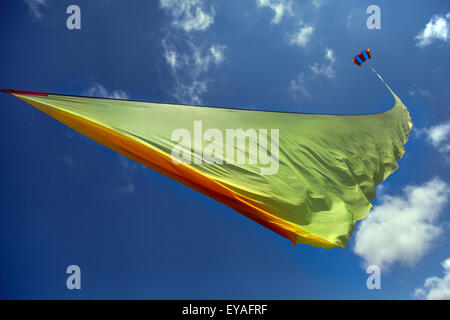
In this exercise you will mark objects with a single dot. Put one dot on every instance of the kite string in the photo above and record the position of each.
(382, 80)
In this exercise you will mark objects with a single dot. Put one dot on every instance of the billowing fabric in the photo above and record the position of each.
(327, 165)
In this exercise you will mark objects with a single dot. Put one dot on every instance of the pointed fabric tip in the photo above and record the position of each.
(29, 93)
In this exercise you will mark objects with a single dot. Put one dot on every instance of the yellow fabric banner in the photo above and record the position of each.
(307, 177)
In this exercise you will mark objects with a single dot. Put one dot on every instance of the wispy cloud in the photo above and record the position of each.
(190, 92)
(326, 69)
(318, 3)
(97, 90)
(402, 228)
(279, 7)
(129, 167)
(298, 89)
(417, 90)
(35, 6)
(189, 15)
(171, 56)
(438, 136)
(302, 37)
(438, 28)
(128, 188)
(436, 288)
(189, 65)
(68, 161)
(202, 58)
(126, 163)
(188, 57)
(218, 53)
(349, 20)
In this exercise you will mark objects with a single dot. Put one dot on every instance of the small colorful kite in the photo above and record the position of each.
(362, 57)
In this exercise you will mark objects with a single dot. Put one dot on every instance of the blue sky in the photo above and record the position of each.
(138, 235)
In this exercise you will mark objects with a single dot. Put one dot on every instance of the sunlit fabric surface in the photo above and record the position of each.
(329, 165)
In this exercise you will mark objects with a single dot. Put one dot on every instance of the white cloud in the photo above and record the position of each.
(436, 288)
(348, 20)
(127, 163)
(416, 90)
(439, 136)
(298, 89)
(128, 188)
(189, 57)
(302, 37)
(69, 161)
(280, 8)
(318, 3)
(189, 15)
(98, 90)
(438, 28)
(34, 6)
(190, 68)
(327, 69)
(191, 93)
(402, 228)
(129, 166)
(171, 58)
(218, 53)
(201, 59)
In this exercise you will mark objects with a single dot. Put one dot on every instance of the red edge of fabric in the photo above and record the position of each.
(29, 93)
